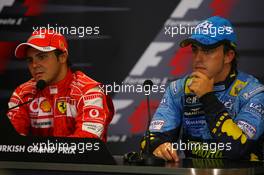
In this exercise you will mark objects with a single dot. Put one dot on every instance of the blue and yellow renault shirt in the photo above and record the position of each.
(225, 123)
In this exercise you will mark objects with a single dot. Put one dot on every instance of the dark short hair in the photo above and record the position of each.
(58, 53)
(228, 47)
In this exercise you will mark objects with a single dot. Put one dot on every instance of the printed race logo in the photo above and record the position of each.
(184, 7)
(6, 3)
(27, 8)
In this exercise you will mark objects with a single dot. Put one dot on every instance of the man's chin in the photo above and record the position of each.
(40, 78)
(203, 71)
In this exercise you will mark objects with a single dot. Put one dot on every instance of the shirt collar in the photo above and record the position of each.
(223, 85)
(60, 86)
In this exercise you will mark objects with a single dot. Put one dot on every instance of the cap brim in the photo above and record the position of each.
(21, 49)
(190, 41)
(200, 40)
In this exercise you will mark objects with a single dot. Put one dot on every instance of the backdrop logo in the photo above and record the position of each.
(184, 7)
(150, 58)
(28, 7)
(6, 3)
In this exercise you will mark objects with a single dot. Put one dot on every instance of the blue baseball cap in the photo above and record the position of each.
(210, 32)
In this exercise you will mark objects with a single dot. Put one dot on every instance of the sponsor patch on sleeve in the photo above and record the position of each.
(255, 108)
(248, 129)
(93, 114)
(248, 95)
(156, 125)
(237, 87)
(93, 100)
(94, 128)
(13, 102)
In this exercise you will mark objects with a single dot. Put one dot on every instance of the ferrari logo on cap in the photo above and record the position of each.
(61, 44)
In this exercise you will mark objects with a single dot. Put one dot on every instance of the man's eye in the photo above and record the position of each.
(208, 51)
(28, 60)
(42, 56)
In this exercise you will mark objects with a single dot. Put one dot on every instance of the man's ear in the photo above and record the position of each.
(63, 57)
(229, 56)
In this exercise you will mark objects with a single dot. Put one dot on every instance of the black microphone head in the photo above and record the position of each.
(148, 82)
(41, 84)
(147, 85)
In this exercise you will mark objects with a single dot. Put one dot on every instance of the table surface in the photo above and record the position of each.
(185, 166)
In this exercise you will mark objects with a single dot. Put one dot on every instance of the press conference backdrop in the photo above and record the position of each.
(125, 42)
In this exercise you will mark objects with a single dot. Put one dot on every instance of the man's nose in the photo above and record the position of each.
(35, 63)
(199, 56)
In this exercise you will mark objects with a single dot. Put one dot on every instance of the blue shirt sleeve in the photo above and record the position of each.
(168, 115)
(251, 117)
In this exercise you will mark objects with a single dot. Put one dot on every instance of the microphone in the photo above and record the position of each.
(147, 86)
(40, 86)
(146, 158)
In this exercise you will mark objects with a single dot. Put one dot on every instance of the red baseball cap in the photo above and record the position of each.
(43, 40)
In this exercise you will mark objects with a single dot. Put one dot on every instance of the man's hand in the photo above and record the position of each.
(166, 152)
(200, 84)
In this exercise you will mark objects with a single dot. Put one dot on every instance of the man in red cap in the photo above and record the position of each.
(69, 105)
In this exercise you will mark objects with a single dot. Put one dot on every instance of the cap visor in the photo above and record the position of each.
(189, 41)
(21, 49)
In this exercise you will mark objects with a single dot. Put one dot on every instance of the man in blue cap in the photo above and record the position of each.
(218, 109)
